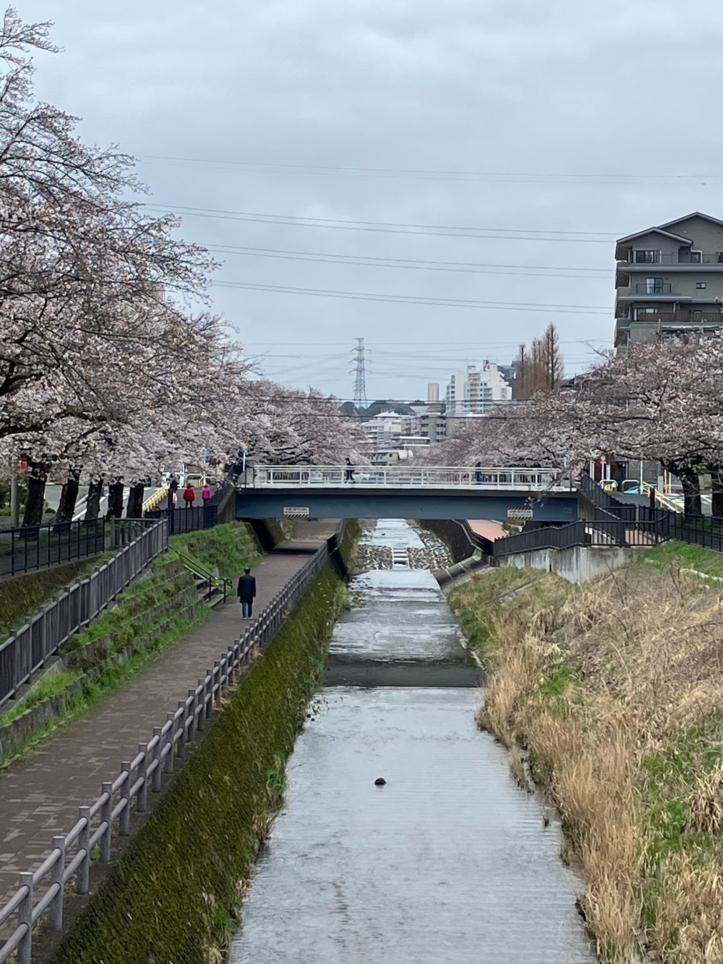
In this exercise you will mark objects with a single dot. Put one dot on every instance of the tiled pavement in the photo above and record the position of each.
(40, 794)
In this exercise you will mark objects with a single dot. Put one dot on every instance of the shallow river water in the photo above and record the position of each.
(449, 862)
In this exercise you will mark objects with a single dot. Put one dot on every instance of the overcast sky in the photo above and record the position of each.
(595, 118)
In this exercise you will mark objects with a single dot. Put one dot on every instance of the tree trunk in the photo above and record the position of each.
(691, 492)
(95, 494)
(134, 509)
(716, 477)
(115, 499)
(37, 477)
(68, 497)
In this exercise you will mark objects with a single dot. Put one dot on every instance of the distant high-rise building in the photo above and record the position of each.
(433, 392)
(476, 389)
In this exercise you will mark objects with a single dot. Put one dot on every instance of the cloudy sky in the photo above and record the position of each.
(440, 177)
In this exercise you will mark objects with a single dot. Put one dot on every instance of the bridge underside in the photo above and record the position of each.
(358, 502)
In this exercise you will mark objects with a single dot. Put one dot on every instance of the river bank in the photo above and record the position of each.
(608, 696)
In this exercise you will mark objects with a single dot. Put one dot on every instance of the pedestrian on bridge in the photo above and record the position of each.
(172, 490)
(189, 496)
(349, 472)
(206, 493)
(247, 594)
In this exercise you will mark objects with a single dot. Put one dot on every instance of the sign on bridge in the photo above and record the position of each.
(519, 512)
(296, 512)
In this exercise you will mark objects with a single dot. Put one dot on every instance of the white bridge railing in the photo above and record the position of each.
(438, 477)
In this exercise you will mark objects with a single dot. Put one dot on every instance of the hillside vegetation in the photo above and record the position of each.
(610, 697)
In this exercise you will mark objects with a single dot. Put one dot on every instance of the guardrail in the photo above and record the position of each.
(598, 533)
(603, 500)
(27, 649)
(43, 889)
(34, 547)
(187, 520)
(158, 496)
(532, 479)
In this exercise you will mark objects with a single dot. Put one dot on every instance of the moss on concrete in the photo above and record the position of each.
(21, 595)
(174, 895)
(228, 548)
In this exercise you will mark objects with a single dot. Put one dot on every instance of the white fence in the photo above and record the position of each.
(25, 651)
(438, 477)
(69, 858)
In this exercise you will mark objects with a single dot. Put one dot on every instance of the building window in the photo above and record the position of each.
(700, 284)
(647, 257)
(653, 286)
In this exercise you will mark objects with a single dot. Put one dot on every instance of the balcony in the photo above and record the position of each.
(656, 288)
(690, 259)
(682, 316)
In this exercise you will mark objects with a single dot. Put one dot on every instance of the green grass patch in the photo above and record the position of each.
(50, 685)
(479, 602)
(20, 596)
(110, 679)
(675, 555)
(230, 548)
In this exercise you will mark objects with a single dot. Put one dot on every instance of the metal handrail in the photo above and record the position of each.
(544, 478)
(25, 651)
(138, 775)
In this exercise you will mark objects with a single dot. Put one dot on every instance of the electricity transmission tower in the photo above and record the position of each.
(360, 388)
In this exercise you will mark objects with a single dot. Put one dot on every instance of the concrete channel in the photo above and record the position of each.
(448, 861)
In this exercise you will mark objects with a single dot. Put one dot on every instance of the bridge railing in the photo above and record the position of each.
(491, 477)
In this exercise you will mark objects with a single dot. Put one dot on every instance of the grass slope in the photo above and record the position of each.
(611, 696)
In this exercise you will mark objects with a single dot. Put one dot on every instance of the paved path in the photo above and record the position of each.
(40, 794)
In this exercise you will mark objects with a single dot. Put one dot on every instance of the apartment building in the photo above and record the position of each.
(476, 389)
(669, 282)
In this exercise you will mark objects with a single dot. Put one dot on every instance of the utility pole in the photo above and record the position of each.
(360, 388)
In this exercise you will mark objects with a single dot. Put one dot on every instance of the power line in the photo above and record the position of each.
(392, 227)
(416, 300)
(465, 267)
(560, 177)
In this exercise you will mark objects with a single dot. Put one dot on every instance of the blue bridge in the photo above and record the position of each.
(401, 492)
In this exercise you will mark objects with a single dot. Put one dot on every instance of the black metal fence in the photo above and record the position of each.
(34, 547)
(27, 649)
(603, 500)
(187, 520)
(603, 533)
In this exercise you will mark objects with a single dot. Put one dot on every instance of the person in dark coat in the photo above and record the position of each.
(247, 594)
(172, 490)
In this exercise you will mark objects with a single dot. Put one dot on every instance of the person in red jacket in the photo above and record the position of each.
(189, 496)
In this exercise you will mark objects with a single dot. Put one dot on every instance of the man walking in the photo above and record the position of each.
(247, 594)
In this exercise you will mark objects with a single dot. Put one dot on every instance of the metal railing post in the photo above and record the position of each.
(106, 816)
(201, 703)
(142, 796)
(182, 721)
(124, 820)
(56, 877)
(25, 916)
(191, 715)
(157, 751)
(208, 693)
(82, 881)
(170, 718)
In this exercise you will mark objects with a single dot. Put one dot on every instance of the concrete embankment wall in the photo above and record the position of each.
(174, 894)
(577, 564)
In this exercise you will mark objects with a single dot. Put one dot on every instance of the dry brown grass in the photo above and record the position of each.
(595, 682)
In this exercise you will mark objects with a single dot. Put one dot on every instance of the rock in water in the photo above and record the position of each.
(379, 782)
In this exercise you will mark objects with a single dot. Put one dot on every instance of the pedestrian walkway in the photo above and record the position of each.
(40, 794)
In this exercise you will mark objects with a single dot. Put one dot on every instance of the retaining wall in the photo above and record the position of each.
(577, 564)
